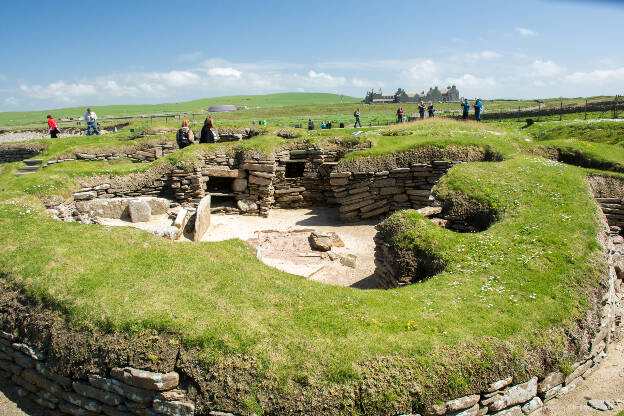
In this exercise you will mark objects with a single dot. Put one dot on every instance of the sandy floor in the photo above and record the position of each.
(358, 241)
(281, 241)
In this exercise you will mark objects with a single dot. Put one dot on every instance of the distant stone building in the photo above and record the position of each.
(451, 93)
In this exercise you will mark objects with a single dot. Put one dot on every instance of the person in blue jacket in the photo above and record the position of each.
(465, 109)
(478, 107)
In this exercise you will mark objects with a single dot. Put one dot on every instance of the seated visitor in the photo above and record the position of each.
(206, 135)
(184, 136)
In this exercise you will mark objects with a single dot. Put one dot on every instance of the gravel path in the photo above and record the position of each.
(20, 136)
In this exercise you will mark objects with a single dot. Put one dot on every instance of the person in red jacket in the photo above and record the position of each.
(53, 127)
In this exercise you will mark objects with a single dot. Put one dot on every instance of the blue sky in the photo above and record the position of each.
(57, 54)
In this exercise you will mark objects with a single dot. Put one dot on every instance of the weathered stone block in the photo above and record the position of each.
(29, 351)
(521, 393)
(239, 185)
(139, 211)
(103, 396)
(551, 380)
(24, 383)
(175, 408)
(259, 181)
(146, 379)
(339, 181)
(10, 367)
(83, 402)
(34, 377)
(462, 403)
(116, 386)
(81, 196)
(73, 410)
(532, 405)
(514, 411)
(202, 218)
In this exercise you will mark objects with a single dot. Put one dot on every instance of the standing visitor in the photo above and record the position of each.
(323, 125)
(310, 124)
(478, 107)
(421, 109)
(53, 127)
(357, 118)
(431, 110)
(91, 120)
(400, 115)
(465, 109)
(184, 136)
(206, 135)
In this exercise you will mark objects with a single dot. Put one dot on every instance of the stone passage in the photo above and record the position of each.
(125, 392)
(18, 152)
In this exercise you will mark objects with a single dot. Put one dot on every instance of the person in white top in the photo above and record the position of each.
(91, 120)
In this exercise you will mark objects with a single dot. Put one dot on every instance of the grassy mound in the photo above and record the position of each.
(503, 304)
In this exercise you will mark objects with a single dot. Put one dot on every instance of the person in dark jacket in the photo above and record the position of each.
(431, 110)
(310, 124)
(421, 109)
(465, 109)
(184, 136)
(206, 135)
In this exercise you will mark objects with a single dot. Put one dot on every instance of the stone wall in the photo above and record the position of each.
(123, 392)
(148, 152)
(613, 209)
(18, 152)
(364, 195)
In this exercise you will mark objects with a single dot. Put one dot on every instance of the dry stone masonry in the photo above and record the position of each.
(20, 151)
(126, 391)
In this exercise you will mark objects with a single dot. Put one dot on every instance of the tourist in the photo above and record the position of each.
(400, 115)
(91, 120)
(54, 131)
(431, 110)
(206, 135)
(421, 109)
(329, 125)
(465, 109)
(184, 136)
(478, 107)
(310, 124)
(323, 125)
(357, 118)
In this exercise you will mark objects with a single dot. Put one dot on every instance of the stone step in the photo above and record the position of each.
(33, 162)
(23, 173)
(28, 168)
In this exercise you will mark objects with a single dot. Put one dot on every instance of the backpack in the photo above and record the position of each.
(182, 138)
(355, 114)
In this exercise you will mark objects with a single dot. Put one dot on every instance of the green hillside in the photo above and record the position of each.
(12, 119)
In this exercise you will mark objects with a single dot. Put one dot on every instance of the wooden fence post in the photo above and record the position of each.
(586, 109)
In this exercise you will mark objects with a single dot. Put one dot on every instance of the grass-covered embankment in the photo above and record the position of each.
(503, 305)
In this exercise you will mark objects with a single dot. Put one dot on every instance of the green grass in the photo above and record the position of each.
(9, 119)
(506, 292)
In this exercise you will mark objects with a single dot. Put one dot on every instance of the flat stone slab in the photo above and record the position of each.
(139, 211)
(146, 379)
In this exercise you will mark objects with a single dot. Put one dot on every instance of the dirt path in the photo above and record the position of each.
(606, 383)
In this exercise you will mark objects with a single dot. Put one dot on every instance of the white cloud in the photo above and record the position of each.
(58, 90)
(11, 101)
(599, 77)
(471, 81)
(484, 55)
(174, 78)
(525, 32)
(224, 72)
(546, 69)
(3, 77)
(421, 71)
